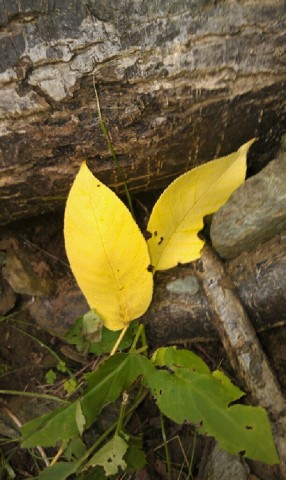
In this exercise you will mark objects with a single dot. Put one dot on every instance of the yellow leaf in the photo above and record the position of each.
(178, 215)
(107, 252)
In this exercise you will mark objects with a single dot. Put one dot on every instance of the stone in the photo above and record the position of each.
(254, 213)
(223, 466)
(23, 278)
(187, 285)
(7, 297)
(59, 312)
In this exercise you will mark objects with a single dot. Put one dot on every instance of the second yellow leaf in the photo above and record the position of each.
(178, 215)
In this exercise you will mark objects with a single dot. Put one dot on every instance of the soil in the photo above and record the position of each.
(29, 348)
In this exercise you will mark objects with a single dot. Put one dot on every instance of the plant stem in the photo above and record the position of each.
(141, 394)
(142, 350)
(122, 413)
(138, 334)
(12, 315)
(192, 457)
(112, 151)
(168, 459)
(57, 456)
(144, 340)
(32, 394)
(109, 431)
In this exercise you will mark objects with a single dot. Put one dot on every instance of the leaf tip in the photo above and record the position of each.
(246, 146)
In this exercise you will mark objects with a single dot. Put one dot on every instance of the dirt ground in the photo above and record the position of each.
(29, 349)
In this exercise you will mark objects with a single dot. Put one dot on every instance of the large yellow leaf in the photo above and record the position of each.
(107, 252)
(178, 215)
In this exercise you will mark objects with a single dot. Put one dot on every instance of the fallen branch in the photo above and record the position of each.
(242, 345)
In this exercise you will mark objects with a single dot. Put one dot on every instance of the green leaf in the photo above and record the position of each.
(171, 357)
(70, 385)
(45, 430)
(225, 381)
(61, 366)
(51, 377)
(135, 457)
(110, 456)
(96, 473)
(253, 433)
(75, 449)
(105, 385)
(92, 326)
(59, 471)
(75, 336)
(5, 470)
(204, 400)
(79, 418)
(109, 338)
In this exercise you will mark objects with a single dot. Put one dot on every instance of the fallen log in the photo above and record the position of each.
(179, 84)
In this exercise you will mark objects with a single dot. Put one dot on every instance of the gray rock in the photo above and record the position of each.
(188, 285)
(223, 466)
(21, 276)
(254, 213)
(7, 297)
(59, 312)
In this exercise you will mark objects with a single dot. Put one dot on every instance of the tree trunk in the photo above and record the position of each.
(179, 83)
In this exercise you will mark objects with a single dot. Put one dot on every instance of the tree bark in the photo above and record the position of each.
(179, 84)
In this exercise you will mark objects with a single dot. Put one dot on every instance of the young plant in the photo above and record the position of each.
(114, 267)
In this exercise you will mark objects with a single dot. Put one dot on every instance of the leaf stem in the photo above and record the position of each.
(141, 350)
(190, 475)
(144, 340)
(118, 341)
(140, 333)
(57, 456)
(122, 413)
(136, 338)
(32, 394)
(141, 394)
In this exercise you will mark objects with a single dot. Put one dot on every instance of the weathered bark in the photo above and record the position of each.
(179, 83)
(180, 311)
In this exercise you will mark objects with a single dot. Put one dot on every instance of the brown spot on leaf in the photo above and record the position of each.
(147, 235)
